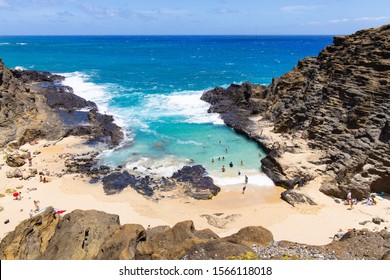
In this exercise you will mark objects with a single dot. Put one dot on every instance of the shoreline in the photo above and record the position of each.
(312, 225)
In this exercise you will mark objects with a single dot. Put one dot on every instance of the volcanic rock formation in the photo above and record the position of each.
(97, 235)
(36, 105)
(337, 102)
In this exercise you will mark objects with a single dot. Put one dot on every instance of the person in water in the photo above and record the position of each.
(223, 168)
(231, 164)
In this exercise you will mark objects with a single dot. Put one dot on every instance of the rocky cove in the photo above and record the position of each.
(336, 103)
(327, 119)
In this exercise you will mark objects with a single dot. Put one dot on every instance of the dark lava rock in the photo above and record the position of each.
(338, 101)
(62, 97)
(199, 185)
(293, 197)
(117, 181)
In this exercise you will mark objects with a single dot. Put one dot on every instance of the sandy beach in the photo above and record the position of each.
(259, 206)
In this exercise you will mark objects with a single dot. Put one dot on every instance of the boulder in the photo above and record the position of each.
(253, 235)
(80, 234)
(197, 183)
(294, 197)
(15, 160)
(121, 245)
(17, 173)
(172, 243)
(31, 237)
(117, 181)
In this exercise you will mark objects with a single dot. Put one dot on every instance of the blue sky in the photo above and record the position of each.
(147, 17)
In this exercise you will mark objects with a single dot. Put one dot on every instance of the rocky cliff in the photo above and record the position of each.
(24, 116)
(35, 105)
(98, 235)
(337, 103)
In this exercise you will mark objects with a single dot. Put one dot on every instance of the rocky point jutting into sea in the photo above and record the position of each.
(327, 121)
(337, 103)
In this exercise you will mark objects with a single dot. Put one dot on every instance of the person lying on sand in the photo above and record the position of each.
(339, 234)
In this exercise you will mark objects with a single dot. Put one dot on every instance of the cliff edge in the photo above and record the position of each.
(334, 106)
(36, 105)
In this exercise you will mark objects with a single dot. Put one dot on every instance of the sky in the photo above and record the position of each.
(195, 17)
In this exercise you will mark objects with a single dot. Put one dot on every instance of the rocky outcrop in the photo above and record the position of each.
(197, 183)
(35, 105)
(294, 197)
(192, 179)
(117, 181)
(337, 102)
(24, 116)
(30, 238)
(97, 235)
(80, 235)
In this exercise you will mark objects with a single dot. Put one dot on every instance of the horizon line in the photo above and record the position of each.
(168, 35)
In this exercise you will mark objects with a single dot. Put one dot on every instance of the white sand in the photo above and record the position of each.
(257, 207)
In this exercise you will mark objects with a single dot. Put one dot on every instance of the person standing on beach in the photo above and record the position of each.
(350, 200)
(243, 189)
(223, 168)
(246, 179)
(36, 204)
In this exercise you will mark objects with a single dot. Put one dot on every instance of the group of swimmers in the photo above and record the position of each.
(223, 169)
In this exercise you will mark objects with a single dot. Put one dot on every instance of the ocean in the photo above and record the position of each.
(152, 85)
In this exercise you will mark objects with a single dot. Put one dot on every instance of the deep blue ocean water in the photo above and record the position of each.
(152, 85)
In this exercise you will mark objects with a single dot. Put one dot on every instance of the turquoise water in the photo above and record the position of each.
(152, 85)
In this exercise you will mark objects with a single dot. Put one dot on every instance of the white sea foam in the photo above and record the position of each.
(4, 43)
(186, 104)
(82, 87)
(165, 166)
(20, 68)
(21, 44)
(99, 94)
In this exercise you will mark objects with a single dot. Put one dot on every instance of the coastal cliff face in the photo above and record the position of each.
(337, 102)
(35, 105)
(97, 235)
(24, 116)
